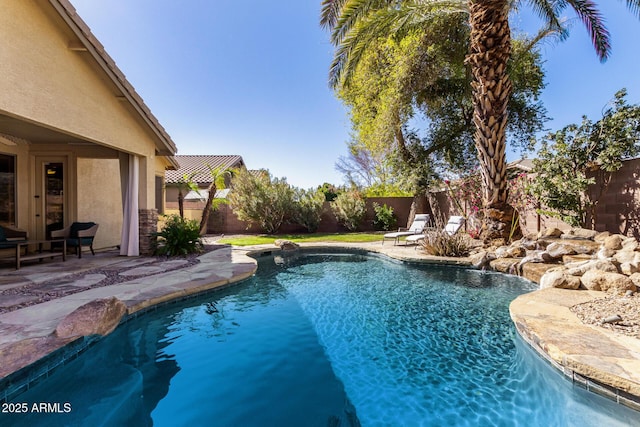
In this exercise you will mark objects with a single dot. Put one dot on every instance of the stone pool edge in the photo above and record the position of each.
(32, 351)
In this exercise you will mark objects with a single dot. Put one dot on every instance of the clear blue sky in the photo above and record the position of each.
(249, 77)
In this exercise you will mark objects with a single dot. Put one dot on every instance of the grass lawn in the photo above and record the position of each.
(250, 240)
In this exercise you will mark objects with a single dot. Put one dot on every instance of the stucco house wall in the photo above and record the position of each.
(64, 100)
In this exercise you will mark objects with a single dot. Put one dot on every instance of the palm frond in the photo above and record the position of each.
(382, 23)
(352, 12)
(330, 12)
(634, 6)
(591, 17)
(548, 11)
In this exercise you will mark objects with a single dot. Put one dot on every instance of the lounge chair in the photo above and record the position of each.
(417, 226)
(77, 235)
(453, 226)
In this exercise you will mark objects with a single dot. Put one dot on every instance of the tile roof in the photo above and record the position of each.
(198, 163)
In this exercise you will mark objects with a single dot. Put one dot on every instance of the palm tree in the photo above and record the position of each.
(218, 182)
(186, 183)
(353, 21)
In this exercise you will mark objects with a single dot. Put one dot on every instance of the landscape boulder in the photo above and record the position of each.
(98, 317)
(557, 250)
(579, 268)
(598, 280)
(558, 278)
(579, 234)
(287, 245)
(550, 232)
(613, 242)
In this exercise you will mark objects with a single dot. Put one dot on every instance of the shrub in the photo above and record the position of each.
(349, 209)
(308, 208)
(440, 243)
(179, 236)
(262, 200)
(385, 218)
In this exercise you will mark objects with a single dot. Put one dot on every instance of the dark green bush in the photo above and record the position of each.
(385, 218)
(179, 236)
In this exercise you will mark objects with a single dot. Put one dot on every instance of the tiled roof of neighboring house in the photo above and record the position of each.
(522, 164)
(198, 163)
(91, 44)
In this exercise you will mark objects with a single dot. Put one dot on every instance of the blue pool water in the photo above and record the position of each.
(324, 340)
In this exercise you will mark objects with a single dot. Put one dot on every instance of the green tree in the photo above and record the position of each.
(573, 159)
(355, 22)
(261, 199)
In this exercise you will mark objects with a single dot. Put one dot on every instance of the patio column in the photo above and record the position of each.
(130, 177)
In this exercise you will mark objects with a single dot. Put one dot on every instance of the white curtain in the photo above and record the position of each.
(129, 241)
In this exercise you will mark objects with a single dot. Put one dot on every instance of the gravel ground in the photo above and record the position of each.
(627, 308)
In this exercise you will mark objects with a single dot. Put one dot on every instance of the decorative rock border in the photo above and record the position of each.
(578, 259)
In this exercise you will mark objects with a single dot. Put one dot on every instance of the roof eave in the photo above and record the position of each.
(68, 13)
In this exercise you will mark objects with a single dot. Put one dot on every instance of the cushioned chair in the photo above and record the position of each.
(77, 235)
(419, 223)
(10, 236)
(453, 225)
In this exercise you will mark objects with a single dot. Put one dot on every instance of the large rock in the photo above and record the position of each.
(601, 236)
(558, 278)
(534, 271)
(613, 242)
(630, 244)
(550, 232)
(579, 234)
(286, 245)
(635, 278)
(629, 268)
(505, 265)
(96, 317)
(536, 256)
(579, 268)
(513, 251)
(626, 256)
(598, 280)
(557, 250)
(529, 244)
(482, 259)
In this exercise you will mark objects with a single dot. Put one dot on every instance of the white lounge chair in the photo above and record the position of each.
(453, 226)
(417, 226)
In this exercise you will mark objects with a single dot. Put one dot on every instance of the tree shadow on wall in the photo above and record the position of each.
(628, 199)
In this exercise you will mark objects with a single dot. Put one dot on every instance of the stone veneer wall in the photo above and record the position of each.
(148, 225)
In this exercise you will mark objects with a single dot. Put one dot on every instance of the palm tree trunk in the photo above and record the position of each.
(206, 211)
(490, 49)
(180, 203)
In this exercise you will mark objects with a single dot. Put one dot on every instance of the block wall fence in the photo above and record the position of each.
(617, 212)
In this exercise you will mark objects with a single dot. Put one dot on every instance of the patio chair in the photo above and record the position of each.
(77, 235)
(417, 226)
(453, 226)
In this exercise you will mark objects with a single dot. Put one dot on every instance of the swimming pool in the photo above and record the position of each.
(326, 340)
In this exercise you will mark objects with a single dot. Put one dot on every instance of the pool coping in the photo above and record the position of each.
(539, 317)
